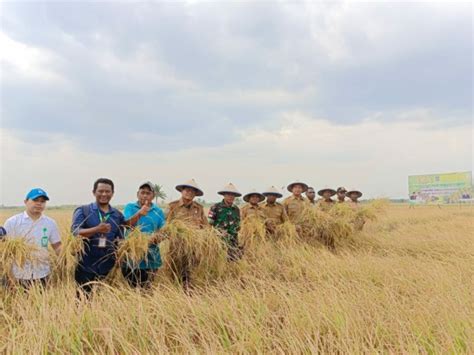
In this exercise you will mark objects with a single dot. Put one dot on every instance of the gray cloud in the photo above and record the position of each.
(167, 76)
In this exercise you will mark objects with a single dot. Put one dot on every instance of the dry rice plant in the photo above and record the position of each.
(286, 233)
(201, 251)
(72, 248)
(134, 248)
(15, 251)
(252, 232)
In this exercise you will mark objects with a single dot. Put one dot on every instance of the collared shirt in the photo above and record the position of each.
(313, 202)
(294, 206)
(250, 210)
(22, 226)
(354, 205)
(95, 259)
(339, 201)
(325, 205)
(154, 220)
(192, 213)
(225, 218)
(275, 212)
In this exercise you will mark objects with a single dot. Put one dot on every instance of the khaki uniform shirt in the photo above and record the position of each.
(294, 206)
(326, 205)
(275, 213)
(192, 213)
(252, 210)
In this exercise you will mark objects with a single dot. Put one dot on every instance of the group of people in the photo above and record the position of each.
(102, 226)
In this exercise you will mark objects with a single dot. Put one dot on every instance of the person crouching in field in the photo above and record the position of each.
(189, 212)
(101, 226)
(326, 201)
(354, 203)
(252, 209)
(225, 216)
(274, 211)
(149, 218)
(38, 230)
(341, 194)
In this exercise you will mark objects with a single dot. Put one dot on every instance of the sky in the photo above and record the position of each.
(255, 93)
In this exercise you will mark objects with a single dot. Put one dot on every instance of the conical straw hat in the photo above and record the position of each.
(230, 189)
(333, 192)
(253, 192)
(272, 190)
(290, 186)
(192, 184)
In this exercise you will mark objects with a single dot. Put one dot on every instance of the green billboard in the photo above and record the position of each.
(440, 188)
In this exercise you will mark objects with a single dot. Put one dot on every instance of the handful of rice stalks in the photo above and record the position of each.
(252, 232)
(134, 248)
(286, 233)
(72, 249)
(202, 252)
(15, 251)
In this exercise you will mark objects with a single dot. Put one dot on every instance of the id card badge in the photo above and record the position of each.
(102, 241)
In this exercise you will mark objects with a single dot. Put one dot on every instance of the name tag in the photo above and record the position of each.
(102, 242)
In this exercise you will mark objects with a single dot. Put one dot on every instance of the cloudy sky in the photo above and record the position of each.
(259, 94)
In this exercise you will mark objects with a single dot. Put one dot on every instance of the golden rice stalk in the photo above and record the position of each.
(72, 249)
(252, 232)
(203, 252)
(371, 210)
(134, 248)
(15, 251)
(324, 227)
(286, 232)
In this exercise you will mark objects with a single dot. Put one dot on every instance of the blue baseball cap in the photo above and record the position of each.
(3, 231)
(35, 193)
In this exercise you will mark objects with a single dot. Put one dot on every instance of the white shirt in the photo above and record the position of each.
(22, 226)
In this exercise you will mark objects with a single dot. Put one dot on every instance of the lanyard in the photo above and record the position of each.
(102, 218)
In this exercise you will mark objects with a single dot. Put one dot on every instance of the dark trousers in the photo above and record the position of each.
(84, 280)
(137, 277)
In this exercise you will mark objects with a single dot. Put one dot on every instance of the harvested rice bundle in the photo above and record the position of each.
(134, 248)
(202, 252)
(286, 233)
(15, 251)
(72, 249)
(252, 232)
(318, 225)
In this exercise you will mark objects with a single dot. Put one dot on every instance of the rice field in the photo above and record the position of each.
(405, 284)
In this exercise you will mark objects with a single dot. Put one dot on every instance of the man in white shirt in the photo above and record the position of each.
(38, 230)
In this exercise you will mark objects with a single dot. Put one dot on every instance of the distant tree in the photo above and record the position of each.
(159, 193)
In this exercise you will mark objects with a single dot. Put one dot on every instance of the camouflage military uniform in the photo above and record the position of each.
(227, 220)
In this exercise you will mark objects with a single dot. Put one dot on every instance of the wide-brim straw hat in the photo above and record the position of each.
(254, 192)
(333, 192)
(348, 193)
(290, 186)
(272, 190)
(192, 184)
(230, 189)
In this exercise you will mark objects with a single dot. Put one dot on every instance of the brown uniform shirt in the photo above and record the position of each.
(325, 205)
(250, 210)
(275, 213)
(294, 206)
(192, 213)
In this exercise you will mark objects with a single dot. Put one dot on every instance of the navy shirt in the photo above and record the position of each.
(95, 259)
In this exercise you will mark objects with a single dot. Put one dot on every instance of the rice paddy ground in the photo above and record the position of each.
(403, 285)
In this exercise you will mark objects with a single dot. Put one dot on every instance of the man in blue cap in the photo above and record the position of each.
(101, 226)
(36, 229)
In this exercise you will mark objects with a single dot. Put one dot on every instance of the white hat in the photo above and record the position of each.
(230, 189)
(192, 184)
(272, 190)
(290, 186)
